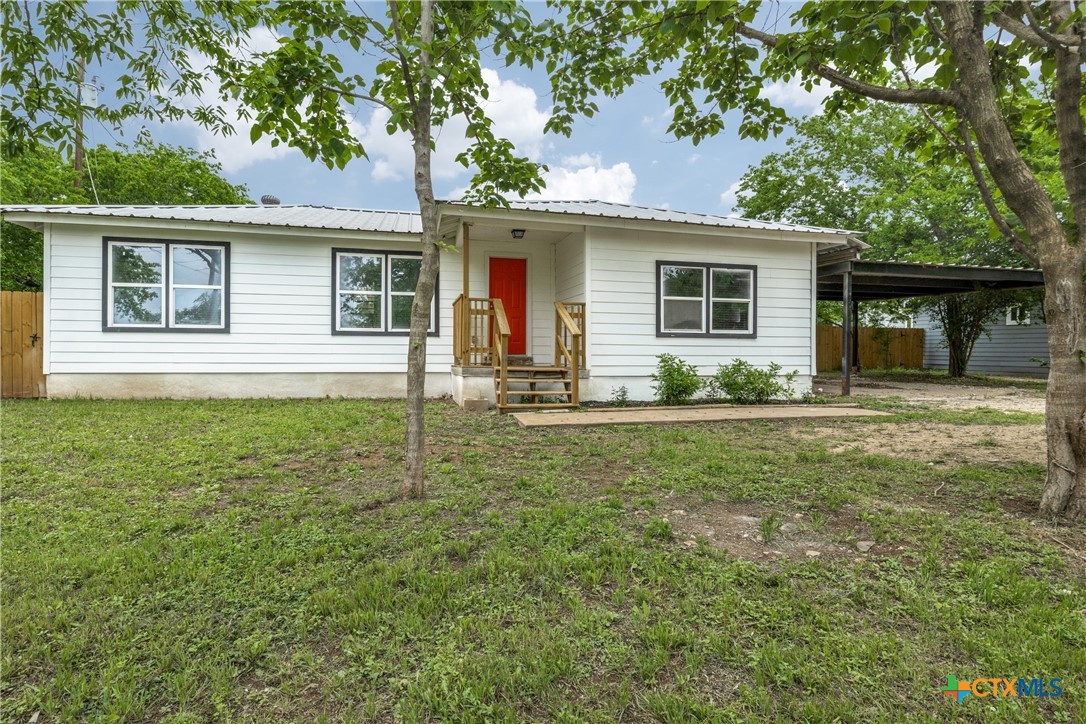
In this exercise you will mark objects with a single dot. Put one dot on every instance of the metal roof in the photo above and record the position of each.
(307, 216)
(611, 210)
(873, 280)
(301, 216)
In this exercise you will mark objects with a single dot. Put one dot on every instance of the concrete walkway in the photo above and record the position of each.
(695, 413)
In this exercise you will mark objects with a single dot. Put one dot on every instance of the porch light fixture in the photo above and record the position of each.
(518, 233)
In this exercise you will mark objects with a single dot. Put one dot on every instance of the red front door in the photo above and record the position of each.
(509, 283)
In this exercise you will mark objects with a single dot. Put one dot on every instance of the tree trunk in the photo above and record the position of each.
(1063, 263)
(1065, 418)
(415, 461)
(957, 362)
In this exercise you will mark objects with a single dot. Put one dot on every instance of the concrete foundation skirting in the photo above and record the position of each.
(240, 385)
(473, 383)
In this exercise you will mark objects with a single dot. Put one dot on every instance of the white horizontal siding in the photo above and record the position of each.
(569, 274)
(280, 311)
(622, 305)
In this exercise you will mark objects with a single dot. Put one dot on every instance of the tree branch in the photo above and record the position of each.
(934, 26)
(356, 96)
(1067, 97)
(910, 96)
(394, 13)
(986, 193)
(1019, 30)
(1067, 41)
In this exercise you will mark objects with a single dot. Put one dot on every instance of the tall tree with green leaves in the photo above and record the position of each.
(420, 61)
(429, 70)
(157, 173)
(144, 173)
(856, 171)
(40, 175)
(975, 97)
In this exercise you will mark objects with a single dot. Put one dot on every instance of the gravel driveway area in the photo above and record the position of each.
(950, 396)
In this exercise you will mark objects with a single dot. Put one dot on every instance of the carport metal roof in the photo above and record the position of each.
(872, 280)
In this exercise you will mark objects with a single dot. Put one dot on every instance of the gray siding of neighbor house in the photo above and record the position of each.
(1007, 351)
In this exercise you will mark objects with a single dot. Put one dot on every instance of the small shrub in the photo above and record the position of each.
(815, 397)
(744, 384)
(770, 526)
(676, 381)
(658, 529)
(620, 397)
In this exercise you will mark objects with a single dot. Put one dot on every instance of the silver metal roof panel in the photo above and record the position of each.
(611, 210)
(302, 216)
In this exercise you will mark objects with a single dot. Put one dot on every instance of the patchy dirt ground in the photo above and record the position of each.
(737, 528)
(940, 444)
(953, 397)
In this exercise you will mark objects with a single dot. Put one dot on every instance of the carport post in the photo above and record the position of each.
(856, 334)
(846, 334)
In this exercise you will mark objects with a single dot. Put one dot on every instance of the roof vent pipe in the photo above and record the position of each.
(269, 200)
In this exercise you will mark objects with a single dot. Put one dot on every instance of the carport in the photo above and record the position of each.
(852, 281)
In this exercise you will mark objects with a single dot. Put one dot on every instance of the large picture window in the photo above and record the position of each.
(695, 299)
(153, 285)
(374, 291)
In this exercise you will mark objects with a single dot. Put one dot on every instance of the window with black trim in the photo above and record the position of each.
(699, 300)
(374, 290)
(157, 285)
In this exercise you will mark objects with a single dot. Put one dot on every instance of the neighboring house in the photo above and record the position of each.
(1017, 338)
(303, 301)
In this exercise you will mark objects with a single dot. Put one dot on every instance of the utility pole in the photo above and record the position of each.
(77, 158)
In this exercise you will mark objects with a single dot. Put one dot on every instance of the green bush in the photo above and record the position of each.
(676, 381)
(744, 384)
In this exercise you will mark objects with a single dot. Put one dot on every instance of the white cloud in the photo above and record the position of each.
(582, 160)
(512, 107)
(236, 151)
(729, 197)
(694, 158)
(615, 184)
(793, 96)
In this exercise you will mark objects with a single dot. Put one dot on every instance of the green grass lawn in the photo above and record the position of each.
(186, 561)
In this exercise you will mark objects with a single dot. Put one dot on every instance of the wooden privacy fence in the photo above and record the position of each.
(21, 340)
(879, 347)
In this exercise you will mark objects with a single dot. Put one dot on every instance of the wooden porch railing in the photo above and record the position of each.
(563, 339)
(568, 347)
(500, 355)
(472, 343)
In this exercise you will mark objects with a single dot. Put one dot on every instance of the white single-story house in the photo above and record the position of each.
(310, 301)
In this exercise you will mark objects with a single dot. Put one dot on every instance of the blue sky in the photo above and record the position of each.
(622, 154)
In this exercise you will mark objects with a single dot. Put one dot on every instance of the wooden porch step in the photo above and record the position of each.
(541, 393)
(536, 369)
(538, 406)
(521, 382)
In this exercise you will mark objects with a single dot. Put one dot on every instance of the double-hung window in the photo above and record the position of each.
(374, 291)
(695, 299)
(153, 285)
